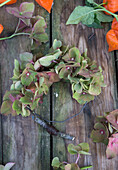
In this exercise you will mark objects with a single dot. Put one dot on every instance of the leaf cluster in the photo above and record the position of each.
(105, 130)
(82, 148)
(33, 77)
(90, 15)
(34, 25)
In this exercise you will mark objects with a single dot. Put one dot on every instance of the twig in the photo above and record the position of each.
(50, 129)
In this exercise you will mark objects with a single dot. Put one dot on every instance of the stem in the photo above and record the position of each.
(13, 35)
(77, 159)
(17, 26)
(4, 3)
(104, 9)
(50, 129)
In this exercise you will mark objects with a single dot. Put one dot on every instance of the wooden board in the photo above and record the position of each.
(22, 141)
(64, 106)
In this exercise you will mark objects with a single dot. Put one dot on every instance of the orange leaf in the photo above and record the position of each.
(47, 4)
(111, 5)
(9, 3)
(112, 40)
(114, 25)
(1, 28)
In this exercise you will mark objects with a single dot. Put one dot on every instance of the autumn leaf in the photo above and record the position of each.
(1, 28)
(9, 3)
(112, 148)
(45, 4)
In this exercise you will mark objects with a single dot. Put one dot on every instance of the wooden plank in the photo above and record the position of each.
(23, 141)
(64, 106)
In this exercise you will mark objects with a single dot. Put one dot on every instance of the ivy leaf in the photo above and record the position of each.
(56, 162)
(82, 14)
(96, 24)
(103, 17)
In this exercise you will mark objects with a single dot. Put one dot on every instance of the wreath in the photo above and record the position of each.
(34, 75)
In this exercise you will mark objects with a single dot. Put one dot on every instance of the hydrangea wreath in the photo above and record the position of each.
(33, 77)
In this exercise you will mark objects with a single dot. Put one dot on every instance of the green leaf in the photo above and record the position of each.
(102, 17)
(41, 38)
(84, 153)
(56, 162)
(72, 149)
(56, 44)
(86, 167)
(17, 106)
(26, 80)
(39, 26)
(94, 89)
(96, 24)
(26, 57)
(6, 107)
(25, 112)
(8, 166)
(18, 85)
(82, 14)
(47, 60)
(83, 98)
(84, 146)
(27, 99)
(27, 7)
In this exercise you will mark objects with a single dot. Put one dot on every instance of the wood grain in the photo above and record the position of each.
(23, 141)
(64, 105)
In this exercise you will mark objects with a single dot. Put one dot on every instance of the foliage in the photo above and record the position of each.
(33, 77)
(33, 26)
(45, 4)
(112, 36)
(1, 28)
(82, 148)
(105, 131)
(91, 15)
(8, 166)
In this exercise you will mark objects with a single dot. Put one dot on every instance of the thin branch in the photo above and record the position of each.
(50, 129)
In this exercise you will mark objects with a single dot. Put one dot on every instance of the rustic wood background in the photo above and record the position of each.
(24, 142)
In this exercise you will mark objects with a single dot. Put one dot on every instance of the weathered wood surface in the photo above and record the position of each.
(21, 140)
